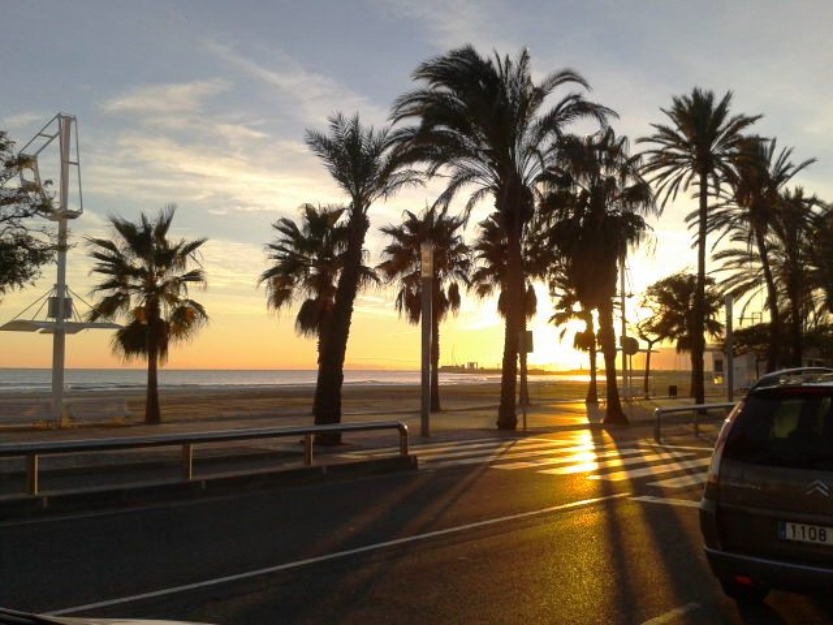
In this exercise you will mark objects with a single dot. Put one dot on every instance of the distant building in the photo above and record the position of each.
(749, 367)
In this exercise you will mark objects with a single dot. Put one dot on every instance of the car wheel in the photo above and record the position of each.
(750, 593)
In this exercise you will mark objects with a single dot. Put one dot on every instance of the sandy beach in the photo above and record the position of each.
(205, 403)
(376, 399)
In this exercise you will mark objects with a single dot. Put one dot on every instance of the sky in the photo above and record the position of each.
(204, 104)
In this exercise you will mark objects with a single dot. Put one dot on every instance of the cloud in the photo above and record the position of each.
(21, 120)
(166, 99)
(313, 96)
(482, 23)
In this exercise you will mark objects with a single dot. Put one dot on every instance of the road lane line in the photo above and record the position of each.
(335, 556)
(669, 617)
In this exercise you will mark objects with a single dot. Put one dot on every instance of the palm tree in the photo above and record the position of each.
(673, 300)
(597, 202)
(452, 265)
(482, 121)
(308, 260)
(697, 149)
(796, 258)
(145, 278)
(359, 160)
(490, 277)
(793, 229)
(567, 308)
(755, 204)
(646, 331)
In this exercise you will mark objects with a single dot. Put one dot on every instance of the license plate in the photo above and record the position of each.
(804, 533)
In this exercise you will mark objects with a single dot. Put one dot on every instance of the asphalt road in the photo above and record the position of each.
(486, 532)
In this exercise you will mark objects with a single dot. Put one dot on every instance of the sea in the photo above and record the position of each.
(81, 380)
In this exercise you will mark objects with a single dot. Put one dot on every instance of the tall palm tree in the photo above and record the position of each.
(145, 278)
(755, 203)
(792, 228)
(673, 300)
(307, 262)
(796, 258)
(697, 149)
(482, 122)
(490, 277)
(359, 160)
(821, 251)
(598, 203)
(452, 265)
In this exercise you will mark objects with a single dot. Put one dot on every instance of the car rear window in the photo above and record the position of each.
(784, 428)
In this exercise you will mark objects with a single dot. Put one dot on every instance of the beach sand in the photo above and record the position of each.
(201, 403)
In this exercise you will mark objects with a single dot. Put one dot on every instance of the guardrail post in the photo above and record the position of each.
(32, 476)
(403, 439)
(308, 449)
(658, 425)
(187, 461)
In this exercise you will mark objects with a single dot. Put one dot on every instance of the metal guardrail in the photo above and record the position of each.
(32, 451)
(695, 409)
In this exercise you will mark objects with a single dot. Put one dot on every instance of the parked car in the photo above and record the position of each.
(767, 509)
(14, 617)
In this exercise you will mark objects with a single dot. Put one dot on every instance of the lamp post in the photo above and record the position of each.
(426, 252)
(64, 128)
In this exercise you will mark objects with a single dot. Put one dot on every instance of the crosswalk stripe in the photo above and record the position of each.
(694, 479)
(683, 465)
(686, 503)
(562, 457)
(497, 450)
(613, 462)
(579, 457)
(448, 450)
(493, 459)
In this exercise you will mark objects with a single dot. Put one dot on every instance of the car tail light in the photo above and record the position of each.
(713, 474)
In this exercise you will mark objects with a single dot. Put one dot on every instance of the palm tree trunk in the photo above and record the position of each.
(327, 402)
(613, 411)
(698, 346)
(796, 329)
(507, 418)
(153, 415)
(593, 388)
(774, 348)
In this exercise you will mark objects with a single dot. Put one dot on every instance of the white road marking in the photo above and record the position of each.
(580, 456)
(450, 449)
(653, 470)
(683, 481)
(614, 462)
(669, 617)
(336, 555)
(685, 503)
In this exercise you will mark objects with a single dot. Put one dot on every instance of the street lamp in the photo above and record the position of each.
(426, 254)
(64, 128)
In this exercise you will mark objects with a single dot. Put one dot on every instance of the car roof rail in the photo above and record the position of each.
(795, 375)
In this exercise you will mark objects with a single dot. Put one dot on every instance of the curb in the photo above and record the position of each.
(83, 500)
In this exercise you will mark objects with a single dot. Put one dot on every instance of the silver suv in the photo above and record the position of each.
(767, 510)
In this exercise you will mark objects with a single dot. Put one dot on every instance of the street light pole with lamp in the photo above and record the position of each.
(426, 251)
